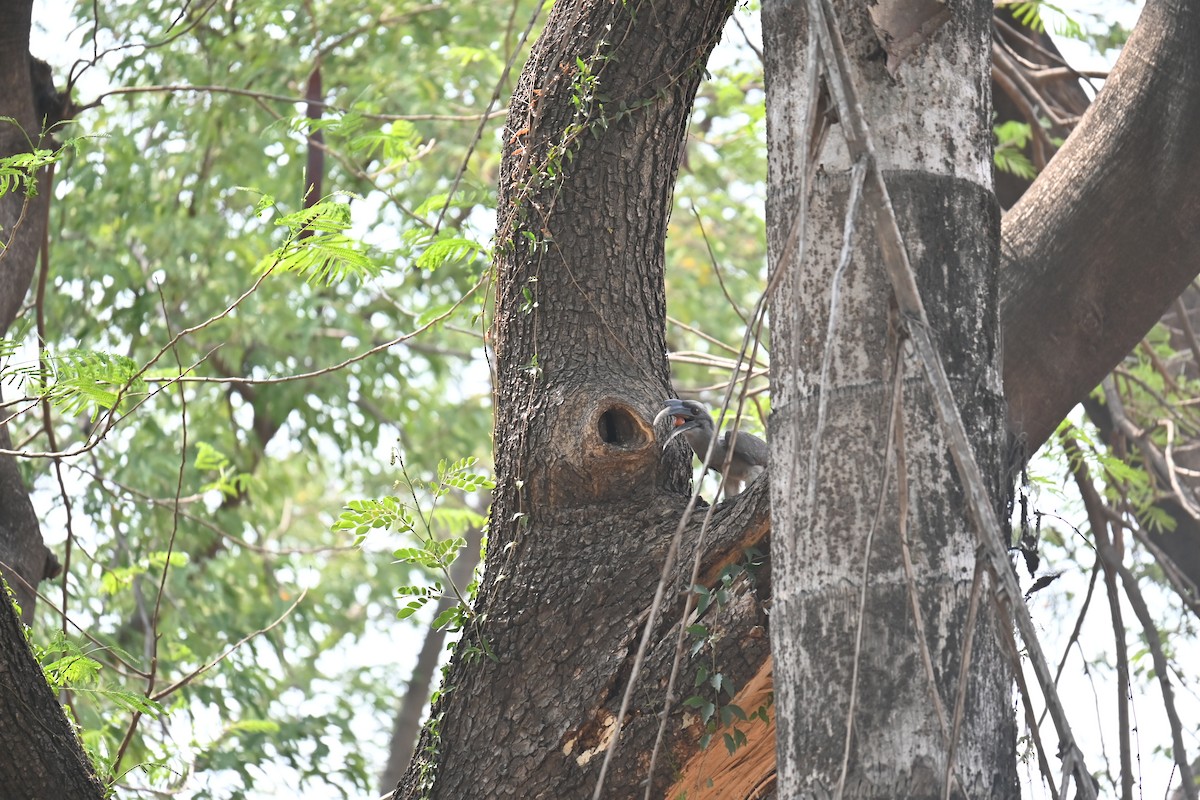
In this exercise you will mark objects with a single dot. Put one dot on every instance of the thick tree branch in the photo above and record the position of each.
(1106, 238)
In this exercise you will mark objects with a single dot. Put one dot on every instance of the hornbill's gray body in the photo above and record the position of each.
(691, 418)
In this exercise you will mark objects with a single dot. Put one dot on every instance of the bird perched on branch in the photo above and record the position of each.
(691, 418)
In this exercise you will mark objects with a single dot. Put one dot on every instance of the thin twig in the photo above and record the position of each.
(1190, 333)
(103, 429)
(47, 415)
(1154, 458)
(97, 54)
(706, 337)
(716, 268)
(1074, 637)
(279, 98)
(1183, 585)
(1110, 558)
(1009, 645)
(750, 340)
(108, 423)
(857, 178)
(500, 84)
(167, 691)
(152, 631)
(749, 43)
(964, 670)
(910, 579)
(1153, 639)
(303, 376)
(1048, 74)
(110, 650)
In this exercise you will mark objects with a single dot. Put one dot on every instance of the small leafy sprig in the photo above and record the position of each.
(68, 667)
(19, 172)
(714, 692)
(1008, 155)
(433, 552)
(75, 380)
(317, 247)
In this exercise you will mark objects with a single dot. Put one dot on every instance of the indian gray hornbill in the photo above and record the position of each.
(691, 418)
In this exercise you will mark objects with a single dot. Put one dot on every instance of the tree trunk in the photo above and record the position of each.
(42, 756)
(584, 508)
(585, 503)
(22, 228)
(931, 122)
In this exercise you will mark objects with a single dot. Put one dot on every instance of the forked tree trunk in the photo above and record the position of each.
(1107, 237)
(585, 508)
(931, 124)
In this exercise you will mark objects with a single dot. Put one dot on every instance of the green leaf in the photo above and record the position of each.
(76, 380)
(265, 726)
(317, 247)
(451, 618)
(449, 249)
(129, 701)
(413, 607)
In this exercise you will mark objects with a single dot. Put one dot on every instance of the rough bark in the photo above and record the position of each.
(935, 149)
(22, 228)
(585, 503)
(42, 756)
(1106, 238)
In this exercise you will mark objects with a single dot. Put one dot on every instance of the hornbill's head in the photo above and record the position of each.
(691, 418)
(686, 416)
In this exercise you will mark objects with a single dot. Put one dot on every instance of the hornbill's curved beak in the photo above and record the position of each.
(684, 418)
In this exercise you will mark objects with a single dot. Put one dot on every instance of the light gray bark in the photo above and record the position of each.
(932, 130)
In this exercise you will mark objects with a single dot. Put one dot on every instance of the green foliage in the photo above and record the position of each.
(712, 701)
(19, 171)
(434, 529)
(317, 247)
(68, 668)
(151, 235)
(121, 578)
(1084, 25)
(1011, 139)
(228, 481)
(76, 380)
(1032, 15)
(444, 249)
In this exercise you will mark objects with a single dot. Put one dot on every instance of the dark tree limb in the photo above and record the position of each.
(22, 229)
(1107, 237)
